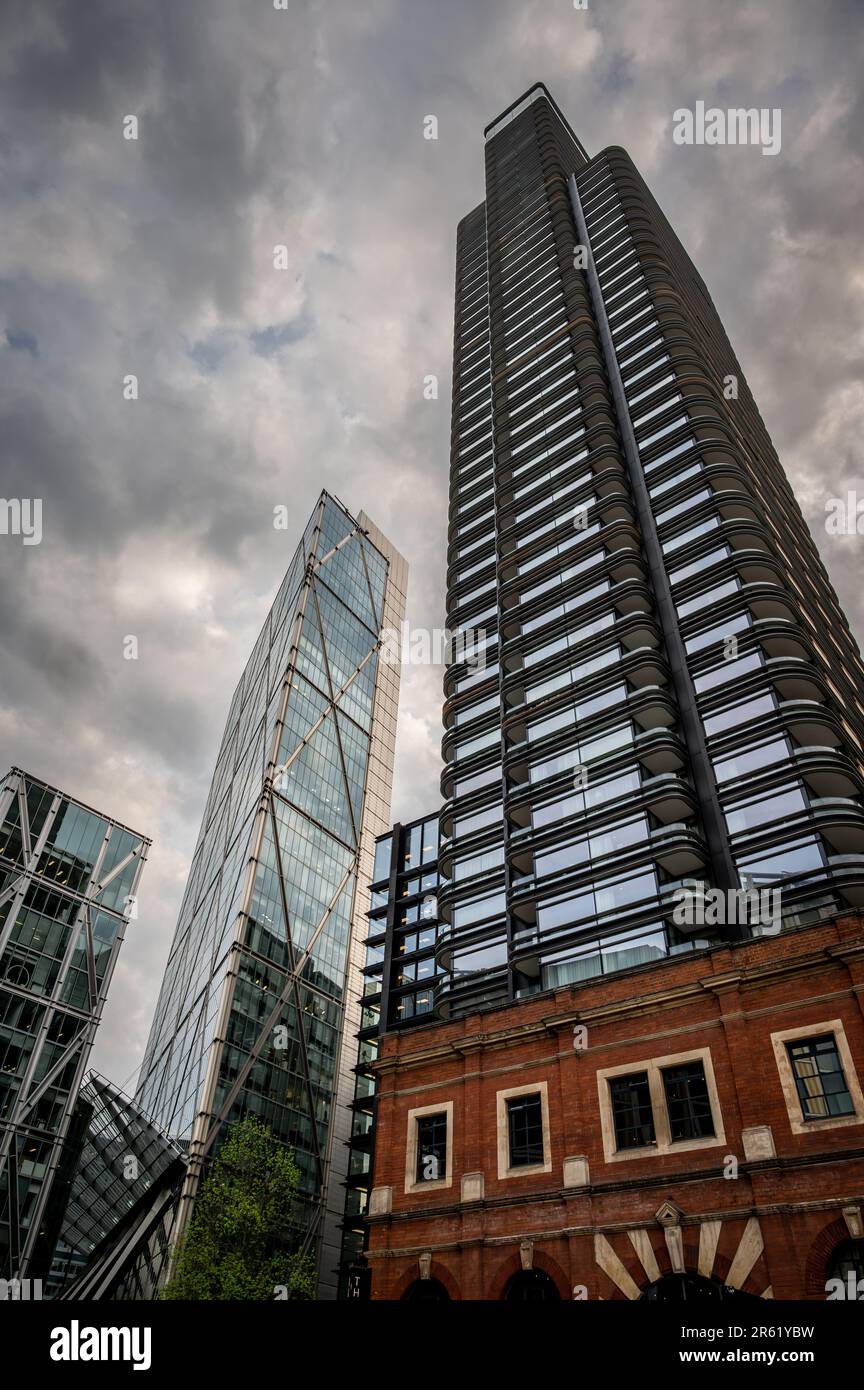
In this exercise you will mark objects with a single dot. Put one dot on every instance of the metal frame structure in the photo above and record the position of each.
(123, 1174)
(68, 883)
(264, 965)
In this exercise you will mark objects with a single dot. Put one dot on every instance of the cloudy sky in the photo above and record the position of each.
(258, 386)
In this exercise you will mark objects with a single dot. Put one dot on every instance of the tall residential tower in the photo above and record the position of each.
(671, 694)
(665, 732)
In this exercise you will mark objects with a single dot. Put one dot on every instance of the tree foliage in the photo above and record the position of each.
(240, 1243)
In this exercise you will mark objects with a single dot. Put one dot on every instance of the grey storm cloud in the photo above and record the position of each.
(155, 258)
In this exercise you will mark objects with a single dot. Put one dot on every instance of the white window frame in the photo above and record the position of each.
(664, 1143)
(797, 1122)
(411, 1184)
(505, 1171)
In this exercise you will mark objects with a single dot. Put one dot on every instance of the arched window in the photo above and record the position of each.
(847, 1259)
(531, 1286)
(426, 1291)
(690, 1288)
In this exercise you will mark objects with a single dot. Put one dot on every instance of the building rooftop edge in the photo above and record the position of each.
(539, 87)
(94, 811)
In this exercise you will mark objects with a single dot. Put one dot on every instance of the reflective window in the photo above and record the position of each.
(631, 1111)
(670, 454)
(697, 566)
(583, 851)
(429, 848)
(576, 802)
(525, 1130)
(717, 635)
(728, 672)
(618, 951)
(431, 1148)
(480, 779)
(739, 714)
(474, 745)
(819, 1077)
(484, 957)
(490, 816)
(607, 897)
(675, 481)
(689, 502)
(687, 1101)
(798, 858)
(478, 908)
(748, 760)
(478, 863)
(661, 433)
(790, 802)
(383, 851)
(464, 716)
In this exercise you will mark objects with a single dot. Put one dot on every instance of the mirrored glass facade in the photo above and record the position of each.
(68, 884)
(124, 1174)
(668, 694)
(253, 1005)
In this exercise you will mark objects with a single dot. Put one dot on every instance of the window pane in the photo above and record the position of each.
(687, 1101)
(631, 1111)
(411, 847)
(525, 1127)
(382, 858)
(430, 840)
(819, 1078)
(431, 1148)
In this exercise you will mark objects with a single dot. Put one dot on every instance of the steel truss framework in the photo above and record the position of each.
(68, 885)
(273, 905)
(126, 1171)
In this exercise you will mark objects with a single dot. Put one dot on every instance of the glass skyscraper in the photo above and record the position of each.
(259, 1005)
(68, 884)
(670, 697)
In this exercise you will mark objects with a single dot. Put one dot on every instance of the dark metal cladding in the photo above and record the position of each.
(658, 723)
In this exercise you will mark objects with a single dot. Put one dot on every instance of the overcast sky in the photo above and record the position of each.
(257, 387)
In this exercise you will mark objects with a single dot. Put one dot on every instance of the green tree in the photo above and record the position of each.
(239, 1241)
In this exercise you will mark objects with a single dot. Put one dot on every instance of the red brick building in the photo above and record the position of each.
(702, 1118)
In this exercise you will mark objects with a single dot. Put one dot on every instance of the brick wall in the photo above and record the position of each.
(593, 1224)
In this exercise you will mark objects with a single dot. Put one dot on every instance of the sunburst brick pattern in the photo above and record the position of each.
(727, 1252)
